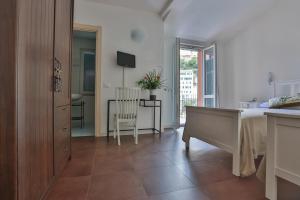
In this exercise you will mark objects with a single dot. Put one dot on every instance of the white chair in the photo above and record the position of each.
(127, 105)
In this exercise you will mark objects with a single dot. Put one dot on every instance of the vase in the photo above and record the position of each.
(152, 96)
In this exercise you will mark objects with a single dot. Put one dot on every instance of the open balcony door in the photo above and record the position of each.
(209, 77)
(207, 83)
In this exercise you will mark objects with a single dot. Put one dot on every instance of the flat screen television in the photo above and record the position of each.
(125, 59)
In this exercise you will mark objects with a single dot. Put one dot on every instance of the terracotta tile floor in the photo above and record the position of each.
(155, 169)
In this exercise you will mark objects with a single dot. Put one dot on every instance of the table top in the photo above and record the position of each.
(284, 113)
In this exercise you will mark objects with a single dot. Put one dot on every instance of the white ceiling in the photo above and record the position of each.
(208, 19)
(145, 5)
(202, 20)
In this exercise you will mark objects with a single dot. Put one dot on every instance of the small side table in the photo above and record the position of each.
(81, 116)
(153, 104)
(143, 103)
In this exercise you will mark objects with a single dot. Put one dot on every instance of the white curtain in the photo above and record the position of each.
(176, 84)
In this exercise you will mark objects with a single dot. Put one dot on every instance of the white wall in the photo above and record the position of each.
(270, 44)
(117, 23)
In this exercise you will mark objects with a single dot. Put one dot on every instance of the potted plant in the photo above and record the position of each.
(151, 82)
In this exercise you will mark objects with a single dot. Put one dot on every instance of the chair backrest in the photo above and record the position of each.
(127, 102)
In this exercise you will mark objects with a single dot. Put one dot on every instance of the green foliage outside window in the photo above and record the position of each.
(189, 64)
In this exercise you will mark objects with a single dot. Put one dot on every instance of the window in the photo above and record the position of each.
(88, 72)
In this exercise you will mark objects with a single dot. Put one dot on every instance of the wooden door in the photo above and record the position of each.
(63, 39)
(62, 99)
(35, 97)
(61, 137)
(8, 101)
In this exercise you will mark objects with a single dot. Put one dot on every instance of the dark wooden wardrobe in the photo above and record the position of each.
(35, 101)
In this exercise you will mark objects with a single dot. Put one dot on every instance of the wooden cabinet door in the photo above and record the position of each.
(61, 138)
(62, 98)
(8, 101)
(62, 48)
(35, 97)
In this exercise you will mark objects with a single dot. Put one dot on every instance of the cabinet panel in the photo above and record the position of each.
(62, 49)
(27, 102)
(62, 54)
(8, 144)
(62, 135)
(62, 117)
(35, 97)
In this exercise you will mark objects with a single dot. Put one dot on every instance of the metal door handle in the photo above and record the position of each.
(58, 82)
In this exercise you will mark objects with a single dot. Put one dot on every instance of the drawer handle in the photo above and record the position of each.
(63, 108)
(65, 129)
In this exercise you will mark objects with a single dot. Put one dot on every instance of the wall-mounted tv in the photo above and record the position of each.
(125, 59)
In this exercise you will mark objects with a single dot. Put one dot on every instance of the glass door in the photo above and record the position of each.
(209, 76)
(195, 79)
(189, 78)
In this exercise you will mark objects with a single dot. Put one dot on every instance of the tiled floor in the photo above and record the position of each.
(155, 169)
(87, 130)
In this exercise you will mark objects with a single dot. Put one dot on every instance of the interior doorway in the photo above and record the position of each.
(86, 76)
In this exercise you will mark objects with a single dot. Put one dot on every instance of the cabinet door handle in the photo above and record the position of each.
(65, 129)
(58, 71)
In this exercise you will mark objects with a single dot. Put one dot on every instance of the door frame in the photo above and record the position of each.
(98, 31)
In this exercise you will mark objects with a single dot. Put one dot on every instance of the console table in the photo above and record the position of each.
(143, 103)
